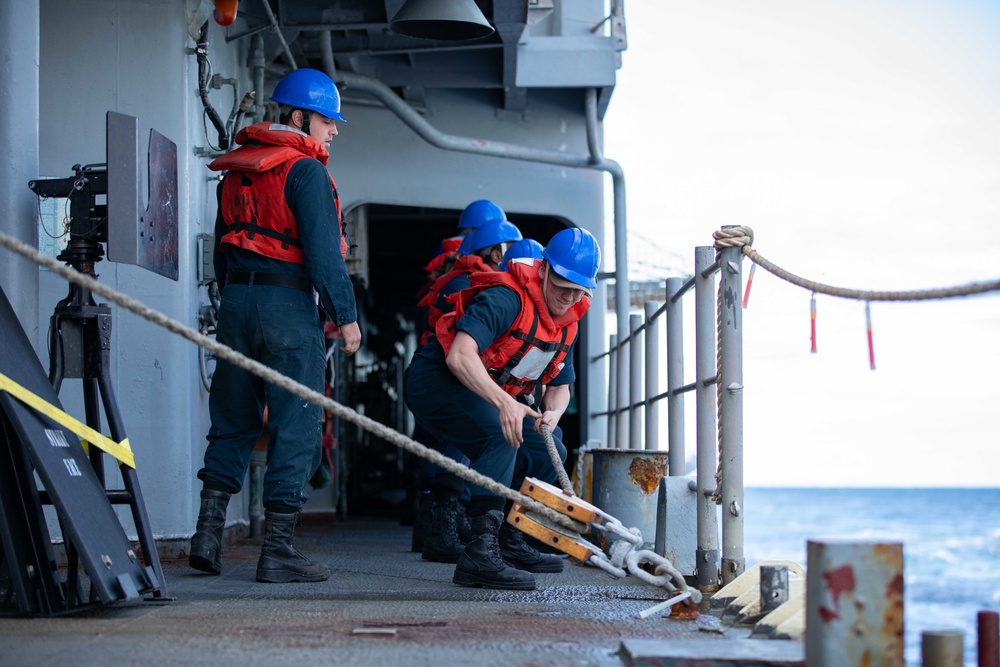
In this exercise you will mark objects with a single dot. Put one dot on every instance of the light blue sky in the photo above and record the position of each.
(861, 142)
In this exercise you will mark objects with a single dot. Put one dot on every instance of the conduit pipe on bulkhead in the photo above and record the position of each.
(435, 137)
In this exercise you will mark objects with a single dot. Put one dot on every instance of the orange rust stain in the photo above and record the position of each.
(891, 632)
(646, 473)
(890, 554)
(683, 612)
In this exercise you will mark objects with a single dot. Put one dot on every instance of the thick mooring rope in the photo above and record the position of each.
(316, 398)
(742, 237)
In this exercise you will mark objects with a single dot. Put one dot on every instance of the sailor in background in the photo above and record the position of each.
(509, 331)
(279, 236)
(443, 495)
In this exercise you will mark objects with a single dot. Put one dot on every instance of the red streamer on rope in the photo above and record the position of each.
(812, 321)
(871, 345)
(746, 294)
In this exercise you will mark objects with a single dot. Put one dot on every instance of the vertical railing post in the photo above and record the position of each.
(621, 380)
(651, 409)
(635, 381)
(675, 378)
(612, 387)
(731, 409)
(707, 553)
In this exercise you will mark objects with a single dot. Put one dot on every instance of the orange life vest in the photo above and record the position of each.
(534, 348)
(254, 209)
(464, 264)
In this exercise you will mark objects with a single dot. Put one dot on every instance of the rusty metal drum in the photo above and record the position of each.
(625, 484)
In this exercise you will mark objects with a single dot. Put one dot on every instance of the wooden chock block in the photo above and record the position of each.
(562, 502)
(551, 534)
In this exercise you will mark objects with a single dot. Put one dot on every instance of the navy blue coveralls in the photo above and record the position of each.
(282, 328)
(455, 414)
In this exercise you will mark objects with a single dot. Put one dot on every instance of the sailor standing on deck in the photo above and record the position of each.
(279, 236)
(509, 331)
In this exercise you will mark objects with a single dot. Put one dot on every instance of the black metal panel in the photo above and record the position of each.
(149, 239)
(55, 454)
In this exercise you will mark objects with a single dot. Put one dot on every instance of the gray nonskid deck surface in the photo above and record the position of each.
(383, 605)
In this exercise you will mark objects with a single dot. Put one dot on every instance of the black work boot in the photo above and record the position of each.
(481, 564)
(441, 543)
(422, 524)
(279, 561)
(206, 543)
(517, 553)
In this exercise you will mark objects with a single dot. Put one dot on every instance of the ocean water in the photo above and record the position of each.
(950, 537)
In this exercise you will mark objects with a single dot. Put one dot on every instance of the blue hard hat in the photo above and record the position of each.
(575, 255)
(479, 212)
(309, 89)
(523, 249)
(491, 233)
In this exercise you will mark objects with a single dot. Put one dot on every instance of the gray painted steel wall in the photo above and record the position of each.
(132, 57)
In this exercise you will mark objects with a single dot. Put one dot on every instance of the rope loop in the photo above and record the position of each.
(733, 237)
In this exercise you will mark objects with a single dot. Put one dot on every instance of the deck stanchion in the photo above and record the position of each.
(707, 553)
(612, 390)
(988, 634)
(731, 410)
(854, 603)
(621, 407)
(635, 381)
(942, 648)
(652, 376)
(675, 378)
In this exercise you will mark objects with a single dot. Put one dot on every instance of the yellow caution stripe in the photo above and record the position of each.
(120, 450)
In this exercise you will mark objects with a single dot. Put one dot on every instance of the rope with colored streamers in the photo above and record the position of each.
(743, 237)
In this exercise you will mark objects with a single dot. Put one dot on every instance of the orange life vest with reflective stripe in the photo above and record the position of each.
(533, 335)
(254, 209)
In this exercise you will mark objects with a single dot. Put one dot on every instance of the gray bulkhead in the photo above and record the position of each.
(135, 58)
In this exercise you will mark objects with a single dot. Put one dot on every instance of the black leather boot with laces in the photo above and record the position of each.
(279, 561)
(482, 566)
(206, 543)
(441, 542)
(518, 553)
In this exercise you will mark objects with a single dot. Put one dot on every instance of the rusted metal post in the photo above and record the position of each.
(854, 604)
(651, 409)
(635, 381)
(707, 552)
(612, 390)
(988, 633)
(941, 648)
(731, 410)
(675, 377)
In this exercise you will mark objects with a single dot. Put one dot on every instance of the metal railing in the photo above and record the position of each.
(633, 420)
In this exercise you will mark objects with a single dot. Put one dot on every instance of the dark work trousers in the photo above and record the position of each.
(428, 471)
(279, 327)
(451, 412)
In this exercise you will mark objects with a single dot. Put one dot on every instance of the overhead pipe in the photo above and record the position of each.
(594, 160)
(277, 31)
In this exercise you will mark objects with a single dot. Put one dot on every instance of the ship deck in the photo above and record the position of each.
(383, 605)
